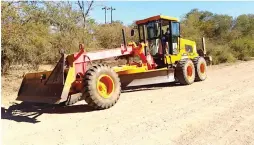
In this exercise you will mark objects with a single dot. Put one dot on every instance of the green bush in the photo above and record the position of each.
(243, 48)
(221, 53)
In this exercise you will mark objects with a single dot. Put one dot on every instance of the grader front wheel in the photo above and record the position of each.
(102, 87)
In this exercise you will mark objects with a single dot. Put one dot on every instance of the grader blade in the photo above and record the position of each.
(43, 87)
(147, 78)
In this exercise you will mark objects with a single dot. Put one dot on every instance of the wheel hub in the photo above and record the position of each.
(189, 71)
(202, 68)
(105, 86)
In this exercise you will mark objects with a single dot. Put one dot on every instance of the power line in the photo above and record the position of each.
(105, 8)
(112, 9)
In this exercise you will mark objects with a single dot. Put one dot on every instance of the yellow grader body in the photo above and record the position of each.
(163, 58)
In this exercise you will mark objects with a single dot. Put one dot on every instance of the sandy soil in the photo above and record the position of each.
(218, 111)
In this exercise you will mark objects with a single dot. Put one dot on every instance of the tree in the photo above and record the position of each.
(85, 12)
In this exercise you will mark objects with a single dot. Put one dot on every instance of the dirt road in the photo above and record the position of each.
(218, 111)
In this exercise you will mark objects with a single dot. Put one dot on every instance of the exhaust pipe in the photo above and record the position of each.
(207, 58)
(203, 45)
(124, 38)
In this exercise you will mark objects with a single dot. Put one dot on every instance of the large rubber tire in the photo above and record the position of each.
(92, 92)
(185, 72)
(200, 68)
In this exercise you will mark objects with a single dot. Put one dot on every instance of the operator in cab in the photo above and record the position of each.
(164, 40)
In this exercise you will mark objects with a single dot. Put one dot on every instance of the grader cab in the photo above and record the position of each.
(164, 57)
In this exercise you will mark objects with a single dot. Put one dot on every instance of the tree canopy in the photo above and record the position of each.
(33, 32)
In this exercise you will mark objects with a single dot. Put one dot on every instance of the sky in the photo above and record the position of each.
(129, 11)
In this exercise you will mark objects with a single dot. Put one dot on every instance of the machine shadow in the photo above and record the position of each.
(28, 112)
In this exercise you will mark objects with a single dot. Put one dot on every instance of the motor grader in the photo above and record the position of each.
(164, 57)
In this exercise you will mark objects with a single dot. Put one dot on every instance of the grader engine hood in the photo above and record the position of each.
(188, 45)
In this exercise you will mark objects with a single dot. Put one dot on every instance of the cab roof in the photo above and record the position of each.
(158, 17)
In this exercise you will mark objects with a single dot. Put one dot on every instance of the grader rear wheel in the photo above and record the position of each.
(185, 72)
(102, 87)
(200, 68)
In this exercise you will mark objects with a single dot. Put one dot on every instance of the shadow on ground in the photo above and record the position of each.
(28, 112)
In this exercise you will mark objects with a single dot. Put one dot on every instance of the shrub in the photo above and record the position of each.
(220, 53)
(243, 48)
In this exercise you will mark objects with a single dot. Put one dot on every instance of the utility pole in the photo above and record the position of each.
(112, 9)
(105, 8)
